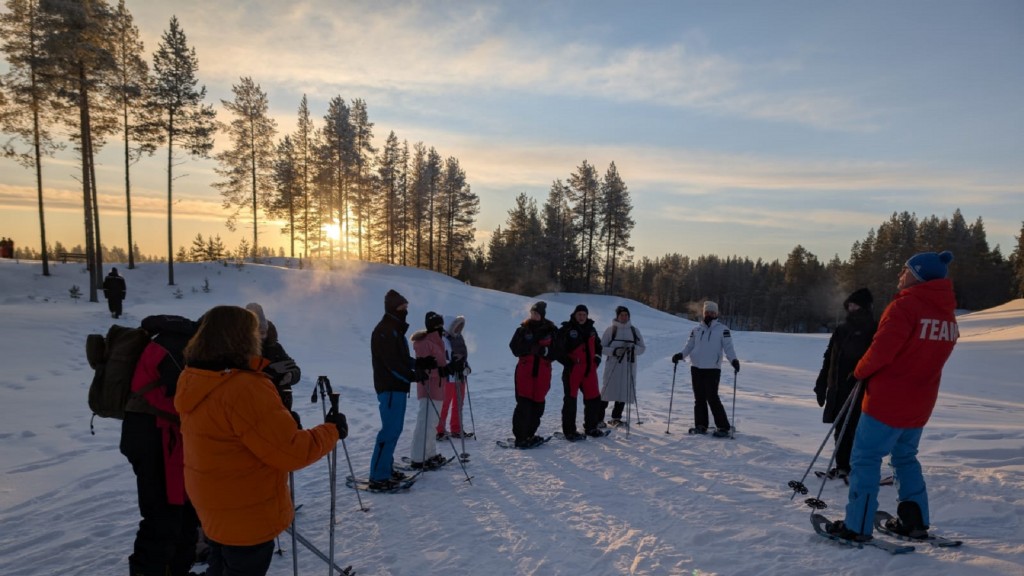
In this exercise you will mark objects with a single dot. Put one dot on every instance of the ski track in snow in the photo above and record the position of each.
(649, 503)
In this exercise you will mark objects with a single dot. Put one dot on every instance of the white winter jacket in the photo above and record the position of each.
(620, 368)
(706, 344)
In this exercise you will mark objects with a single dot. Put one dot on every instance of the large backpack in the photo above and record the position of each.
(114, 358)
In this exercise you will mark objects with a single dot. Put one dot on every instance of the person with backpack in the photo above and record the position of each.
(430, 343)
(835, 381)
(707, 341)
(240, 442)
(114, 290)
(622, 343)
(533, 343)
(580, 350)
(394, 370)
(151, 441)
(455, 386)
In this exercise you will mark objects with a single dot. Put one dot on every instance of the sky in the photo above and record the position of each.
(741, 128)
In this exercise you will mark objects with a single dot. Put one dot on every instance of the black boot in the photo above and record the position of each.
(910, 522)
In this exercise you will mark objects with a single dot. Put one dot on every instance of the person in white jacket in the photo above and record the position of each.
(622, 343)
(708, 340)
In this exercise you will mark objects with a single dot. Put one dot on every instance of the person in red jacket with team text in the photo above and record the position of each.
(901, 371)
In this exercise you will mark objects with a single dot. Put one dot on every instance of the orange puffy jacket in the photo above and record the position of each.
(240, 443)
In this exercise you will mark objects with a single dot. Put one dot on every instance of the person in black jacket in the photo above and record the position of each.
(580, 354)
(533, 343)
(394, 369)
(281, 367)
(114, 290)
(835, 380)
(151, 441)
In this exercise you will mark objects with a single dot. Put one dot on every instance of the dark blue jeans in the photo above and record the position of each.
(240, 560)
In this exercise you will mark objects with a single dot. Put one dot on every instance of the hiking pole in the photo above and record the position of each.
(671, 396)
(469, 399)
(334, 396)
(450, 441)
(295, 546)
(312, 548)
(459, 389)
(326, 383)
(816, 503)
(798, 485)
(632, 380)
(732, 429)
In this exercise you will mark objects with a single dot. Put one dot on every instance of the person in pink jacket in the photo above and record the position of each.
(429, 342)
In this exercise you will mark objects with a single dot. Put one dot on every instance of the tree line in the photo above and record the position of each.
(80, 65)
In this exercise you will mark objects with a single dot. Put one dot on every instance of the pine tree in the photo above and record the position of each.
(1017, 264)
(360, 172)
(559, 247)
(584, 189)
(458, 209)
(248, 166)
(130, 88)
(198, 251)
(287, 186)
(335, 158)
(28, 117)
(616, 223)
(304, 150)
(184, 120)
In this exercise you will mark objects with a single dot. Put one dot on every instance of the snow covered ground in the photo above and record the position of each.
(648, 503)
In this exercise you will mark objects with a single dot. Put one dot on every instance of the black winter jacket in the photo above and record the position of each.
(846, 346)
(393, 367)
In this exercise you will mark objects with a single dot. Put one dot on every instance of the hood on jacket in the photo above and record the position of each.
(195, 386)
(457, 325)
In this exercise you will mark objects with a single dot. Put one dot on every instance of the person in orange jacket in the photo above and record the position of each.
(240, 442)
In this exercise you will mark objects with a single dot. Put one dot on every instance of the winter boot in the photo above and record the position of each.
(441, 436)
(596, 433)
(574, 436)
(389, 484)
(909, 522)
(839, 529)
(698, 430)
(721, 433)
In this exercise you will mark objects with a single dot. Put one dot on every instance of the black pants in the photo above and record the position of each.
(240, 560)
(526, 418)
(844, 445)
(617, 409)
(593, 409)
(114, 304)
(166, 540)
(705, 395)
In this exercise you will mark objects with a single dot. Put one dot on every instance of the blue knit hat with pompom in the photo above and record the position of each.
(927, 266)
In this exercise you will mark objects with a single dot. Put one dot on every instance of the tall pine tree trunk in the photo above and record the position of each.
(83, 120)
(170, 181)
(128, 189)
(37, 145)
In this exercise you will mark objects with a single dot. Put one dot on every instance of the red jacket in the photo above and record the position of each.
(915, 337)
(154, 366)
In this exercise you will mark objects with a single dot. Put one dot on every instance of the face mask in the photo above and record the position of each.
(401, 314)
(708, 319)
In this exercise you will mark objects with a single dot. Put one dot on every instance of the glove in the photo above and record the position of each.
(282, 372)
(456, 366)
(295, 416)
(467, 370)
(736, 365)
(339, 420)
(620, 352)
(421, 375)
(444, 371)
(597, 359)
(821, 399)
(426, 363)
(677, 357)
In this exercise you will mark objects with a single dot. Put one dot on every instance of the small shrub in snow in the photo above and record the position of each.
(75, 292)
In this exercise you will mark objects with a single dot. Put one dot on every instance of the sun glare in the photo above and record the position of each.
(333, 231)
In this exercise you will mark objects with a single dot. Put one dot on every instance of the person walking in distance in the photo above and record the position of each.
(707, 342)
(835, 380)
(580, 354)
(915, 337)
(622, 343)
(114, 290)
(394, 370)
(533, 343)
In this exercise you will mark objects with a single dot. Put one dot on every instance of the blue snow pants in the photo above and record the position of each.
(874, 440)
(392, 419)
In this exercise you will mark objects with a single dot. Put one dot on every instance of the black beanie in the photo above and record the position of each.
(541, 307)
(620, 310)
(392, 300)
(861, 298)
(433, 321)
(581, 308)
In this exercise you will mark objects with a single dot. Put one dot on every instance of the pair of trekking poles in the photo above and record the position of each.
(732, 428)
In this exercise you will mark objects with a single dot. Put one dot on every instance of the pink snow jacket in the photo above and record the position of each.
(430, 344)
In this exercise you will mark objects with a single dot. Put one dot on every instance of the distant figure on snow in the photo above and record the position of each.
(708, 340)
(114, 290)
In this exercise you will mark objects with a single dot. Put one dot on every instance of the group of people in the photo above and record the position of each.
(210, 400)
(878, 386)
(213, 397)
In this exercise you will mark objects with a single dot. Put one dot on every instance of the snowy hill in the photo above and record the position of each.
(650, 503)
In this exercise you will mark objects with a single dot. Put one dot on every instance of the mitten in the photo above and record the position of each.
(339, 420)
(677, 357)
(736, 365)
(421, 375)
(821, 398)
(426, 363)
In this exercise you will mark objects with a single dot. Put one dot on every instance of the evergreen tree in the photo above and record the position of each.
(616, 223)
(248, 166)
(27, 115)
(585, 193)
(183, 118)
(458, 209)
(304, 150)
(360, 173)
(198, 250)
(558, 243)
(1017, 264)
(335, 158)
(130, 87)
(288, 188)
